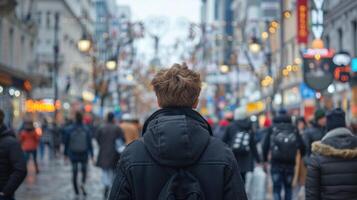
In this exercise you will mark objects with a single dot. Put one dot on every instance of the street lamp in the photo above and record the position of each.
(224, 69)
(84, 44)
(254, 45)
(111, 64)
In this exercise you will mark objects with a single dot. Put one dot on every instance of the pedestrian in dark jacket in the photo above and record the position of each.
(106, 136)
(284, 142)
(12, 162)
(78, 147)
(332, 172)
(177, 156)
(240, 137)
(314, 133)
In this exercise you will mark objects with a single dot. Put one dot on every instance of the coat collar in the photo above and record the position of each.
(328, 145)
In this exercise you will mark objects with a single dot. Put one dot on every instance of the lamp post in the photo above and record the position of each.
(55, 66)
(84, 44)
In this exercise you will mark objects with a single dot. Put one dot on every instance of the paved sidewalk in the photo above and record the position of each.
(54, 183)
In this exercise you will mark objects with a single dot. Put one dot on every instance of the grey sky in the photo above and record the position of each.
(174, 11)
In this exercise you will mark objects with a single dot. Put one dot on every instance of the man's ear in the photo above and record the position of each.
(194, 106)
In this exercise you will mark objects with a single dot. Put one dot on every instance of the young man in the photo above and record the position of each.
(332, 172)
(12, 162)
(283, 141)
(177, 158)
(78, 147)
(106, 136)
(240, 137)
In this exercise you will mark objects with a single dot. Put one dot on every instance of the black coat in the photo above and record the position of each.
(12, 162)
(246, 160)
(266, 146)
(311, 135)
(177, 138)
(106, 136)
(332, 172)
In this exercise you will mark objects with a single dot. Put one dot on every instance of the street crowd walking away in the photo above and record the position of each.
(12, 162)
(178, 154)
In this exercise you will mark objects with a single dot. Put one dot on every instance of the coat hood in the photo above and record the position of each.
(244, 124)
(339, 142)
(282, 119)
(176, 136)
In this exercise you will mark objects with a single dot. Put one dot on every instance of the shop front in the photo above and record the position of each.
(14, 89)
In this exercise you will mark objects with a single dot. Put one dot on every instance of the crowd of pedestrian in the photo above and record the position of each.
(178, 154)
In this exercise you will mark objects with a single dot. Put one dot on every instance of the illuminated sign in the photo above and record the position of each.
(255, 107)
(318, 68)
(317, 19)
(302, 22)
(354, 65)
(342, 69)
(41, 106)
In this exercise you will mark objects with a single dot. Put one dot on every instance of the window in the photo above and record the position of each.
(340, 39)
(39, 18)
(23, 47)
(354, 37)
(11, 46)
(327, 41)
(48, 19)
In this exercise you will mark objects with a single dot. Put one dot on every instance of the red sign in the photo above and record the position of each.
(302, 22)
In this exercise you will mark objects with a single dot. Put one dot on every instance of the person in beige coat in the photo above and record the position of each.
(131, 128)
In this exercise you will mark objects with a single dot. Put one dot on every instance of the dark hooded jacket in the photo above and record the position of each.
(332, 172)
(281, 121)
(177, 138)
(12, 162)
(246, 160)
(311, 135)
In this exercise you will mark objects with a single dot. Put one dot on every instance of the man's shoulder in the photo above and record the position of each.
(217, 152)
(134, 153)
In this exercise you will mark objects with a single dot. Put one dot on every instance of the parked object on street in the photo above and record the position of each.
(256, 184)
(78, 147)
(190, 163)
(107, 136)
(284, 142)
(239, 136)
(12, 162)
(29, 142)
(332, 172)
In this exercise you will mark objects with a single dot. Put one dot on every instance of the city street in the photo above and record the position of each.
(229, 99)
(54, 183)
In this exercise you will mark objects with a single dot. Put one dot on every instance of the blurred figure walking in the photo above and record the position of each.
(240, 137)
(314, 133)
(283, 141)
(106, 136)
(332, 172)
(30, 140)
(12, 162)
(45, 140)
(130, 127)
(78, 147)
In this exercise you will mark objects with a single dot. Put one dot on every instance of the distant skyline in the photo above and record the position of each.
(174, 11)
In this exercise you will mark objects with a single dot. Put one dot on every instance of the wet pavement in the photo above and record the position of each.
(54, 183)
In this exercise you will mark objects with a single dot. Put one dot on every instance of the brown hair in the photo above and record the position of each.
(177, 86)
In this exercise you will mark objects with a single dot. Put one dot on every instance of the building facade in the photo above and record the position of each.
(18, 34)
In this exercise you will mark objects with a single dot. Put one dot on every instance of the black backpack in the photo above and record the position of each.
(284, 144)
(240, 142)
(182, 186)
(78, 140)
